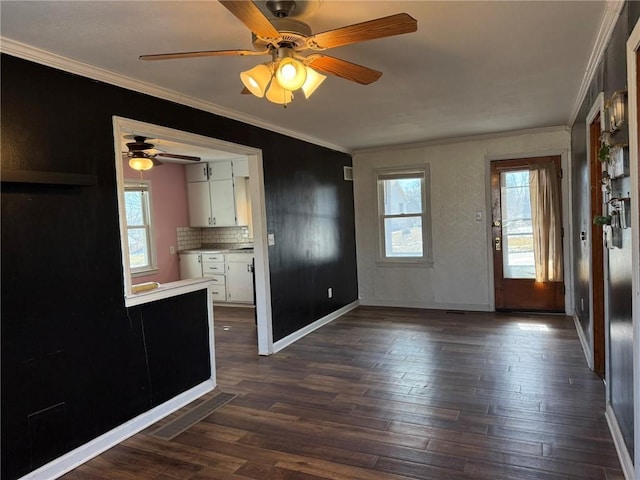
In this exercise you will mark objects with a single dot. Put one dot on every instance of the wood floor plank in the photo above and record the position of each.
(389, 394)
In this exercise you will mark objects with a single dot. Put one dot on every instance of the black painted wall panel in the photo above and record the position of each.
(611, 76)
(66, 336)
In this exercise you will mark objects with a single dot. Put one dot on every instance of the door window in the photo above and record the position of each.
(517, 228)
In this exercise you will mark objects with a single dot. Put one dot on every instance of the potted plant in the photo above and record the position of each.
(602, 220)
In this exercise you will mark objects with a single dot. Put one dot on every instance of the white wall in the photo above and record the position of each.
(461, 277)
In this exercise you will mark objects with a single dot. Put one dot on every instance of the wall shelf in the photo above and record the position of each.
(48, 178)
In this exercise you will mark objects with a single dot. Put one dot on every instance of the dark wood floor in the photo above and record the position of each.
(390, 394)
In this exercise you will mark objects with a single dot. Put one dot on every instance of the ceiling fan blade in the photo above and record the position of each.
(344, 69)
(249, 14)
(178, 157)
(204, 53)
(360, 32)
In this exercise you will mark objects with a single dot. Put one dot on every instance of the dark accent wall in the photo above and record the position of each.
(75, 362)
(610, 76)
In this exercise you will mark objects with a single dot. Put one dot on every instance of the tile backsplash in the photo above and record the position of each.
(189, 237)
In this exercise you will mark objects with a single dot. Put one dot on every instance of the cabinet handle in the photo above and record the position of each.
(214, 220)
(249, 268)
(209, 220)
(205, 171)
(199, 258)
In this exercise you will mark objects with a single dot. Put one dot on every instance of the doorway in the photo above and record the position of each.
(596, 247)
(122, 126)
(527, 234)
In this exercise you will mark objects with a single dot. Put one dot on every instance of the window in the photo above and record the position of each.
(404, 220)
(139, 231)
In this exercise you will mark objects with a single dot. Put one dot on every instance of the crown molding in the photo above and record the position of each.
(469, 138)
(607, 24)
(49, 59)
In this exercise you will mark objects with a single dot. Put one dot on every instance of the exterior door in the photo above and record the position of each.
(514, 263)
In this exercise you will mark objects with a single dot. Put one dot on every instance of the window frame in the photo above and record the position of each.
(139, 185)
(421, 172)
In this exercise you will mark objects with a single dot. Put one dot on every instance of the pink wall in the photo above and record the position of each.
(169, 210)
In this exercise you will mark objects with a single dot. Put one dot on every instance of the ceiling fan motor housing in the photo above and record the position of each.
(294, 33)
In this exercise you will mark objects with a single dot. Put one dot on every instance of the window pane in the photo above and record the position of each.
(402, 195)
(138, 248)
(517, 232)
(133, 206)
(403, 237)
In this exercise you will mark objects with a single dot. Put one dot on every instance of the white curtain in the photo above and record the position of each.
(544, 191)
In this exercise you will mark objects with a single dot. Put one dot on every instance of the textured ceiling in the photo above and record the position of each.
(471, 68)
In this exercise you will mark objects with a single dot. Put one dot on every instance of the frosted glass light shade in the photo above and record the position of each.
(291, 74)
(140, 163)
(314, 79)
(257, 79)
(279, 95)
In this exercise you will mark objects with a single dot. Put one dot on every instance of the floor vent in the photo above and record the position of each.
(455, 312)
(193, 416)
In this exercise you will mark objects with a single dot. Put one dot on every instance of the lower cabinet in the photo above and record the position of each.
(230, 274)
(240, 277)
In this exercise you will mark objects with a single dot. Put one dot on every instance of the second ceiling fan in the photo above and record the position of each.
(285, 38)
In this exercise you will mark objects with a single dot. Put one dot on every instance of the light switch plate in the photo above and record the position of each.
(271, 239)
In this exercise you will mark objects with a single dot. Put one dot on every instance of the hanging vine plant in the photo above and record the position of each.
(602, 220)
(604, 154)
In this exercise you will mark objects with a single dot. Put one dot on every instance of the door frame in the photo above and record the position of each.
(596, 109)
(258, 205)
(633, 45)
(567, 214)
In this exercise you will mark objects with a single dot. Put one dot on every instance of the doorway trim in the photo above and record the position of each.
(567, 215)
(633, 45)
(123, 125)
(596, 109)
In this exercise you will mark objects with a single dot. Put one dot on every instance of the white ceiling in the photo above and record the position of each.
(473, 67)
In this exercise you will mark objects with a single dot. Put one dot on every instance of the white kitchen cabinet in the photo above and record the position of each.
(218, 201)
(241, 167)
(199, 201)
(197, 172)
(223, 203)
(239, 277)
(213, 270)
(220, 170)
(190, 265)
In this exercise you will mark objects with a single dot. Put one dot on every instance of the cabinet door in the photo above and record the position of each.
(190, 266)
(241, 167)
(223, 209)
(220, 170)
(198, 172)
(239, 281)
(199, 204)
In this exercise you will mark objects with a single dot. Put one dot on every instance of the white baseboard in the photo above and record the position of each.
(295, 336)
(80, 455)
(623, 454)
(586, 346)
(468, 307)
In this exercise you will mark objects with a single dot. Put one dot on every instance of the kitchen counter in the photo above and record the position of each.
(221, 248)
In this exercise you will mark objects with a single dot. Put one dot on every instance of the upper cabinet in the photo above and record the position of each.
(217, 196)
(197, 172)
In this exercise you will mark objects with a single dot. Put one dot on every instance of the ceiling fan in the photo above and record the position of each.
(285, 38)
(144, 155)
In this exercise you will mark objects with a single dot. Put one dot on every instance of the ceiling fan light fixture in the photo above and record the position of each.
(139, 161)
(291, 73)
(257, 79)
(279, 95)
(314, 79)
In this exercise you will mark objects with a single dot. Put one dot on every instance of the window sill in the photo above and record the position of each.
(144, 273)
(405, 263)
